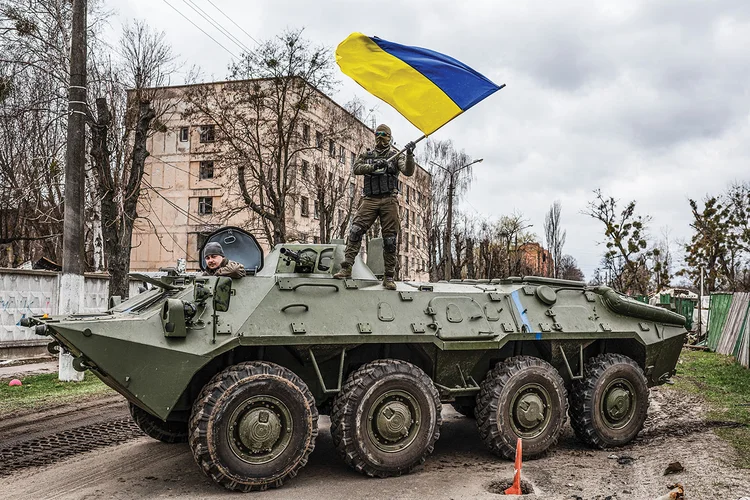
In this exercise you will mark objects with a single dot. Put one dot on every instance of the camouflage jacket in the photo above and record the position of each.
(366, 161)
(227, 268)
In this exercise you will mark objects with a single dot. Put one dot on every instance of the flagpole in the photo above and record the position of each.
(400, 151)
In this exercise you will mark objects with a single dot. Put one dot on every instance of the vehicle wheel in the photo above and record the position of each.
(166, 432)
(386, 419)
(464, 409)
(608, 407)
(522, 397)
(254, 426)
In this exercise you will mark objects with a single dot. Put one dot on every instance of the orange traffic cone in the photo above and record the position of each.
(516, 488)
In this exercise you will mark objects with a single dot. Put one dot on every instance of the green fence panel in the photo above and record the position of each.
(665, 298)
(685, 307)
(641, 298)
(718, 310)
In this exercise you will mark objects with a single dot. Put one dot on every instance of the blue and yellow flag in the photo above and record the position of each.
(428, 88)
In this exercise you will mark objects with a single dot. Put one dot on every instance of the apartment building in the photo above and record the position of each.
(190, 190)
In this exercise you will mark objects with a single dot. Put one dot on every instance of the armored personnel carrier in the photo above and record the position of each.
(241, 369)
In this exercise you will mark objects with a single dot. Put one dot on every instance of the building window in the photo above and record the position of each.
(205, 205)
(407, 218)
(304, 169)
(353, 158)
(342, 155)
(206, 170)
(331, 148)
(341, 216)
(417, 242)
(316, 240)
(208, 133)
(318, 173)
(351, 190)
(407, 194)
(406, 243)
(319, 140)
(316, 209)
(184, 131)
(306, 133)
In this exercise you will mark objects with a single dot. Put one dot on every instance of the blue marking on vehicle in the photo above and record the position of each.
(522, 312)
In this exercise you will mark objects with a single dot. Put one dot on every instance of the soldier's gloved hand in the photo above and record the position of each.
(410, 147)
(380, 167)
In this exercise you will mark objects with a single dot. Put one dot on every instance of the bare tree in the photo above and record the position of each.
(555, 237)
(260, 118)
(446, 166)
(124, 120)
(569, 269)
(627, 259)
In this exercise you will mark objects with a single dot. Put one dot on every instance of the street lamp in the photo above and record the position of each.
(449, 222)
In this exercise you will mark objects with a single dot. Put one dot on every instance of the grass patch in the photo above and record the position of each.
(725, 385)
(42, 391)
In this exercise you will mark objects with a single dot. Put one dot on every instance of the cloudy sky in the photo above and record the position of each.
(645, 100)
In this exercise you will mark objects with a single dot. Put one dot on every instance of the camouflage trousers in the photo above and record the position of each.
(370, 208)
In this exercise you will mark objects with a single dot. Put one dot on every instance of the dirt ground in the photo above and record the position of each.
(139, 467)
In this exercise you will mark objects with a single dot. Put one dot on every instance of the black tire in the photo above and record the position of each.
(608, 406)
(386, 419)
(166, 432)
(253, 426)
(518, 382)
(463, 409)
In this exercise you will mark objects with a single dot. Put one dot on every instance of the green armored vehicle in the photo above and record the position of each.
(241, 369)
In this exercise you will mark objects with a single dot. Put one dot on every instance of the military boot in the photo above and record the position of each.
(388, 283)
(344, 273)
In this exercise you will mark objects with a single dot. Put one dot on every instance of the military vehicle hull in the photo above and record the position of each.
(244, 383)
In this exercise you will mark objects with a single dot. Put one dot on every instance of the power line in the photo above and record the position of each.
(204, 32)
(172, 204)
(233, 22)
(186, 171)
(216, 25)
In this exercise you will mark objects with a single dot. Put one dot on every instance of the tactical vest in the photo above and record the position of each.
(382, 184)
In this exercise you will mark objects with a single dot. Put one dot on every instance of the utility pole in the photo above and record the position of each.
(449, 220)
(71, 291)
(700, 307)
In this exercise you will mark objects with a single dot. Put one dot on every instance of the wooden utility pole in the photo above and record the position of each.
(71, 291)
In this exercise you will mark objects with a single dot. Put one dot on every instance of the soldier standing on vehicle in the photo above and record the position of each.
(218, 265)
(380, 200)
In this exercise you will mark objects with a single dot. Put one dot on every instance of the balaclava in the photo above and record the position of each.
(383, 141)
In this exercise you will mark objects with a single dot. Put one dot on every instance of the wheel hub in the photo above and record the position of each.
(618, 403)
(529, 411)
(394, 420)
(260, 429)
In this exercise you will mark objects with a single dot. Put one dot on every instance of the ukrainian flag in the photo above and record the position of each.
(428, 88)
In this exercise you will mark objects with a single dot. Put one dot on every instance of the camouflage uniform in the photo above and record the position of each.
(227, 268)
(380, 200)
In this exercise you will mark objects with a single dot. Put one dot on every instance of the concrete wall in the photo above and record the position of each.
(26, 293)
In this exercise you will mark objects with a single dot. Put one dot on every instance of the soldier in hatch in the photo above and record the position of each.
(380, 200)
(218, 265)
